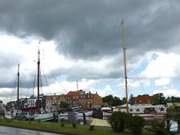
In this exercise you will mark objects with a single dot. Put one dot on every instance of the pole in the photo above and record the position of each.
(18, 74)
(38, 81)
(125, 79)
(125, 64)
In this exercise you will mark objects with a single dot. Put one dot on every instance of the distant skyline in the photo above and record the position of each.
(80, 40)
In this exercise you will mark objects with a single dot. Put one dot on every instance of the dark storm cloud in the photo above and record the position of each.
(91, 29)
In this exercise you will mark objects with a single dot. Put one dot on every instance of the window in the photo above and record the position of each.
(149, 110)
(137, 110)
(161, 109)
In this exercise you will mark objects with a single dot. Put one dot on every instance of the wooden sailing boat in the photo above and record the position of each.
(39, 115)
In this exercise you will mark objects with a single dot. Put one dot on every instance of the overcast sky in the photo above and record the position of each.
(81, 40)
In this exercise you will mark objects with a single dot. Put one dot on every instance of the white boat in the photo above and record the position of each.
(75, 115)
(107, 112)
(63, 116)
(89, 113)
(80, 115)
(44, 116)
(8, 116)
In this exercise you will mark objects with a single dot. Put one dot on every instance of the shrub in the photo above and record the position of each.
(91, 128)
(62, 124)
(136, 125)
(74, 125)
(159, 128)
(118, 121)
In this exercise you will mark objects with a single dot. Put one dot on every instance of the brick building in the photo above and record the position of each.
(83, 99)
(53, 102)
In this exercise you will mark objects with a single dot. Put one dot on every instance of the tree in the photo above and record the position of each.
(173, 99)
(64, 105)
(131, 99)
(116, 101)
(158, 99)
(173, 114)
(108, 99)
(112, 101)
(119, 121)
(136, 124)
(124, 100)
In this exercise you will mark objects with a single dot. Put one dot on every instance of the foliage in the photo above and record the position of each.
(173, 99)
(136, 124)
(64, 105)
(159, 128)
(116, 101)
(118, 121)
(131, 99)
(91, 128)
(158, 99)
(123, 100)
(112, 101)
(62, 124)
(74, 125)
(56, 128)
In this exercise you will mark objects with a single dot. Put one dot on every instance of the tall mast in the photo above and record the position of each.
(125, 79)
(125, 64)
(38, 81)
(18, 75)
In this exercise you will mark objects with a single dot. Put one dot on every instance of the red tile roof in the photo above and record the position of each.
(143, 100)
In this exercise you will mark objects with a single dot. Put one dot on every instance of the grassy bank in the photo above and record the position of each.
(56, 128)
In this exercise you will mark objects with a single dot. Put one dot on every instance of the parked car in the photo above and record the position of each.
(29, 116)
(97, 113)
(24, 116)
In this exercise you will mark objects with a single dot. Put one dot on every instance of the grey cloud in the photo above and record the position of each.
(91, 29)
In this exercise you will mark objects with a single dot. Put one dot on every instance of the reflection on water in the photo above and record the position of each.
(16, 131)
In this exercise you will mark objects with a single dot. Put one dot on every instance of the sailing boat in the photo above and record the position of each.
(9, 114)
(39, 115)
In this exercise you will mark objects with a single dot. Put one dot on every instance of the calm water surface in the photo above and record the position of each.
(16, 131)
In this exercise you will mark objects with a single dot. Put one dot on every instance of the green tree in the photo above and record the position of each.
(116, 101)
(136, 124)
(124, 100)
(112, 101)
(173, 113)
(158, 99)
(108, 99)
(173, 99)
(119, 121)
(64, 105)
(131, 99)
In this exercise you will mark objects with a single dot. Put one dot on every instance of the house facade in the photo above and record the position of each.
(53, 102)
(83, 99)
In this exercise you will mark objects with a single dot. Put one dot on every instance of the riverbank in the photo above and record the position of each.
(56, 128)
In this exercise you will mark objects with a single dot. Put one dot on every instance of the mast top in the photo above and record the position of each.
(123, 33)
(77, 85)
(18, 68)
(38, 55)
